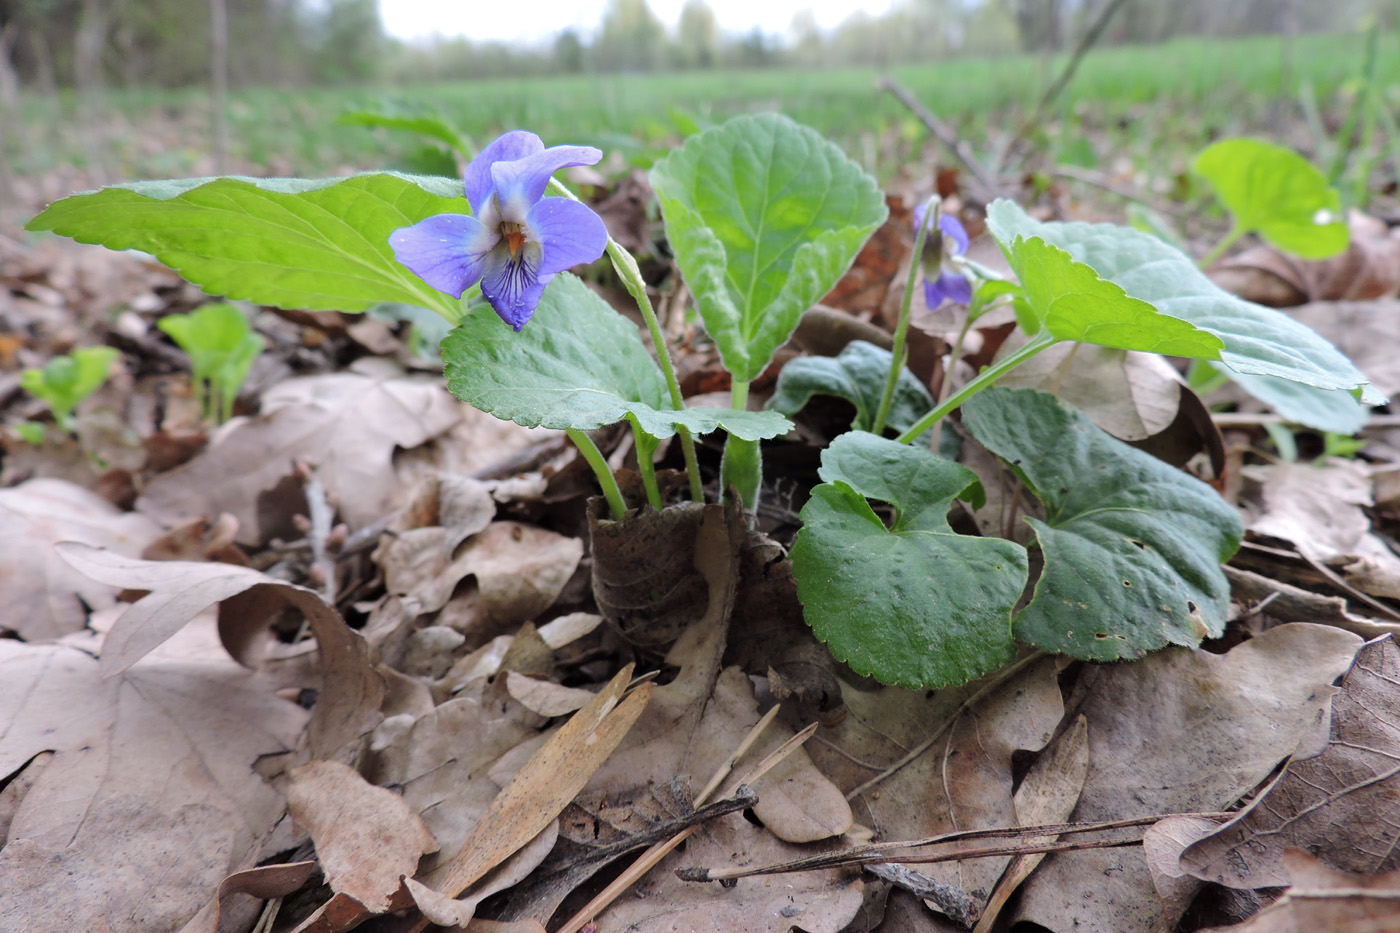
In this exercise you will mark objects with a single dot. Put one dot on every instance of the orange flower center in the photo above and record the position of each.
(514, 236)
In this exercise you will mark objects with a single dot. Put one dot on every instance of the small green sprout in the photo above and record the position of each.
(222, 348)
(65, 381)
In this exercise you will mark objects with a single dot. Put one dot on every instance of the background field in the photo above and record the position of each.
(1144, 110)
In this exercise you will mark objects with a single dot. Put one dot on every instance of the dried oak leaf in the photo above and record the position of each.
(347, 424)
(1338, 805)
(962, 780)
(1180, 731)
(45, 598)
(150, 798)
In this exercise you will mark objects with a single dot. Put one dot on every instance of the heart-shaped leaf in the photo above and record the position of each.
(1258, 340)
(578, 364)
(1132, 546)
(857, 374)
(1072, 302)
(291, 242)
(764, 216)
(1273, 191)
(914, 603)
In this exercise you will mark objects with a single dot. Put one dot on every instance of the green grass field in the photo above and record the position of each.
(1155, 105)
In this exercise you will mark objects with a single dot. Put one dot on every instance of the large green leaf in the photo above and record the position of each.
(857, 375)
(1258, 340)
(912, 604)
(764, 216)
(1273, 191)
(292, 242)
(577, 364)
(1132, 546)
(1072, 302)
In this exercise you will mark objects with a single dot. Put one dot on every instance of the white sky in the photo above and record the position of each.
(534, 20)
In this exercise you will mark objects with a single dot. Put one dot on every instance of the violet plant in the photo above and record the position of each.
(763, 217)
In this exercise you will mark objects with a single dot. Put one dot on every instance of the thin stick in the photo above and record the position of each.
(943, 131)
(1086, 42)
(1002, 676)
(648, 859)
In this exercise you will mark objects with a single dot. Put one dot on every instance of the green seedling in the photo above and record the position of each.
(65, 381)
(1276, 193)
(222, 348)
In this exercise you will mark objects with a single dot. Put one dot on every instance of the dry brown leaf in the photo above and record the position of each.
(1048, 794)
(1363, 330)
(1162, 846)
(963, 781)
(519, 569)
(347, 424)
(1322, 899)
(1320, 510)
(545, 697)
(456, 912)
(45, 598)
(1370, 268)
(1130, 395)
(816, 902)
(541, 789)
(1338, 805)
(367, 839)
(1180, 731)
(239, 898)
(151, 797)
(350, 690)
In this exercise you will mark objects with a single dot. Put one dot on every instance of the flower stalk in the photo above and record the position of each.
(901, 331)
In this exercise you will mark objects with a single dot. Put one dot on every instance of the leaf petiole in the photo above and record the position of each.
(594, 456)
(901, 330)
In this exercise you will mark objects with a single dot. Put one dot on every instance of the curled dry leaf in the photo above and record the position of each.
(44, 597)
(1338, 805)
(367, 839)
(1180, 731)
(348, 424)
(1321, 898)
(520, 569)
(150, 798)
(1321, 511)
(350, 690)
(1130, 395)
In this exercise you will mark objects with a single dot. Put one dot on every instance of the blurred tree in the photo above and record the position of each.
(568, 52)
(697, 36)
(632, 38)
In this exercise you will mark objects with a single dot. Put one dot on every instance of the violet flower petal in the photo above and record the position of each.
(953, 227)
(950, 285)
(509, 147)
(448, 251)
(513, 284)
(569, 232)
(519, 184)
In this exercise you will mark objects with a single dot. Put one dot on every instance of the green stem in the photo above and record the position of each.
(594, 456)
(645, 446)
(741, 466)
(631, 276)
(1235, 233)
(984, 379)
(901, 330)
(947, 386)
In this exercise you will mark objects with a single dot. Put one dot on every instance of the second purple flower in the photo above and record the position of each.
(518, 239)
(950, 239)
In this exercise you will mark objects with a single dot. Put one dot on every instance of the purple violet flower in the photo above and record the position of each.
(518, 239)
(950, 239)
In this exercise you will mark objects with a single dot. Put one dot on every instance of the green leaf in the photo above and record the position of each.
(857, 375)
(291, 242)
(424, 122)
(914, 604)
(67, 380)
(1273, 191)
(1132, 546)
(1258, 340)
(1072, 302)
(577, 364)
(764, 216)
